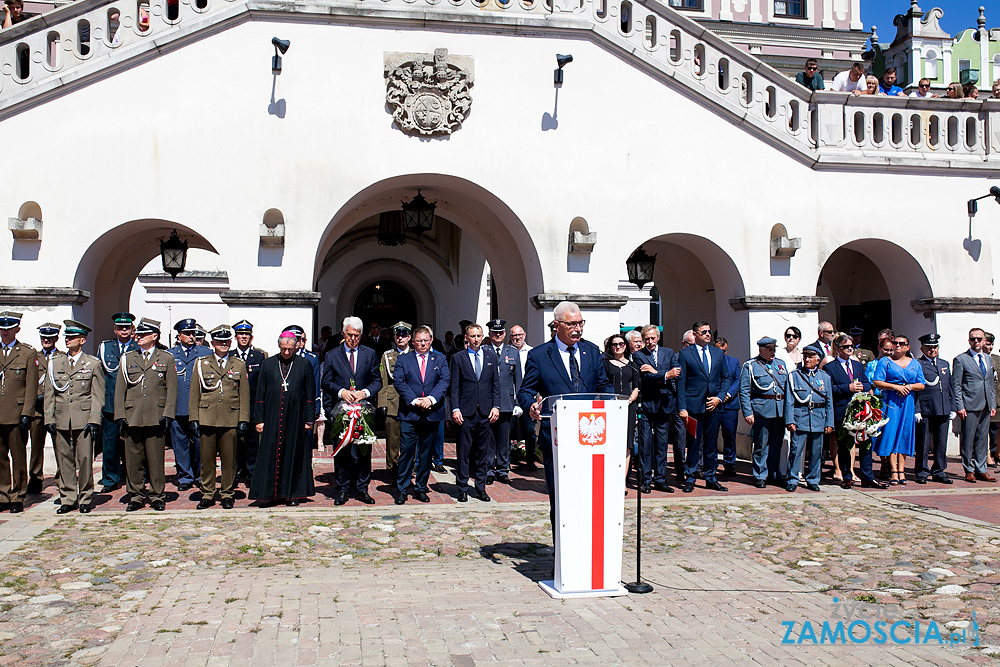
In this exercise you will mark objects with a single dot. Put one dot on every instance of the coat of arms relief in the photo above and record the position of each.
(428, 94)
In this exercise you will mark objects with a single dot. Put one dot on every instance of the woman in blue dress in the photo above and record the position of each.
(898, 376)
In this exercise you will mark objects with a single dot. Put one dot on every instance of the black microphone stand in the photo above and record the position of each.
(638, 586)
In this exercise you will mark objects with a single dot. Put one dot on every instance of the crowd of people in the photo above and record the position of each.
(856, 82)
(261, 417)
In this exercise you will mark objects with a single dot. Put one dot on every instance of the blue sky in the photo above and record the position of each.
(958, 15)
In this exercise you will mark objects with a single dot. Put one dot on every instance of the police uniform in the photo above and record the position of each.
(388, 399)
(74, 398)
(935, 404)
(18, 392)
(183, 439)
(246, 442)
(219, 406)
(36, 458)
(145, 404)
(110, 353)
(510, 380)
(762, 396)
(809, 406)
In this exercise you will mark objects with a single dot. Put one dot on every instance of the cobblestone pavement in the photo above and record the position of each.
(455, 585)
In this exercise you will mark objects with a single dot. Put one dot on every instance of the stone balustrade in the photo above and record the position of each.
(73, 43)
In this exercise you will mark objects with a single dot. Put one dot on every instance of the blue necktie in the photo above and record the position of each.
(704, 358)
(982, 364)
(478, 367)
(574, 368)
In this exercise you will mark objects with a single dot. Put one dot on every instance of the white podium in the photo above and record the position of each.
(588, 449)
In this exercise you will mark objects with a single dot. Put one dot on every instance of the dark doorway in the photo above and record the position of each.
(872, 316)
(386, 302)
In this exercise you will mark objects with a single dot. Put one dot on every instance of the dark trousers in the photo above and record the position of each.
(187, 458)
(13, 464)
(113, 456)
(524, 429)
(864, 455)
(682, 441)
(475, 451)
(501, 443)
(728, 427)
(246, 453)
(705, 448)
(932, 442)
(654, 437)
(767, 434)
(36, 459)
(994, 429)
(416, 449)
(354, 469)
(974, 440)
(144, 456)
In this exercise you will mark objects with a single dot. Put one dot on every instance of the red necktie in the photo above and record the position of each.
(850, 372)
(352, 362)
(423, 367)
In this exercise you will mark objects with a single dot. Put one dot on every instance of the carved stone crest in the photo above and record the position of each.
(428, 94)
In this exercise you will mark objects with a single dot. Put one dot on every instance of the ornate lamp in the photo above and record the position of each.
(391, 229)
(173, 254)
(418, 214)
(640, 267)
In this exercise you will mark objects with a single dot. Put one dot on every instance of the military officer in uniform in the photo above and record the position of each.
(861, 354)
(388, 397)
(182, 436)
(246, 443)
(219, 408)
(48, 334)
(935, 408)
(145, 405)
(808, 416)
(110, 353)
(18, 392)
(763, 383)
(510, 380)
(74, 399)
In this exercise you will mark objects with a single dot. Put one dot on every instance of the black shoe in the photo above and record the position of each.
(715, 486)
(228, 503)
(158, 505)
(16, 508)
(401, 499)
(688, 488)
(792, 488)
(341, 499)
(730, 468)
(698, 474)
(760, 484)
(64, 509)
(84, 509)
(439, 468)
(34, 486)
(110, 488)
(503, 478)
(482, 495)
(874, 484)
(366, 498)
(56, 501)
(944, 480)
(920, 480)
(293, 502)
(205, 503)
(530, 465)
(422, 496)
(184, 487)
(660, 486)
(463, 497)
(646, 488)
(490, 480)
(812, 487)
(134, 505)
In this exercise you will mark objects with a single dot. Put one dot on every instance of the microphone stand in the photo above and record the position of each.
(638, 586)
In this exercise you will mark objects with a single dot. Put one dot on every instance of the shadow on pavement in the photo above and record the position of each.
(533, 560)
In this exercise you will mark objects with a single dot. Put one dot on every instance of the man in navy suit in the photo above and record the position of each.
(421, 379)
(659, 403)
(567, 364)
(475, 404)
(730, 409)
(351, 374)
(847, 378)
(510, 378)
(701, 390)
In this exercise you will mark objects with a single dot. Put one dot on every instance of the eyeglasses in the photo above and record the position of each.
(788, 335)
(572, 325)
(923, 85)
(810, 67)
(952, 89)
(704, 332)
(975, 339)
(900, 343)
(617, 344)
(846, 347)
(826, 331)
(515, 335)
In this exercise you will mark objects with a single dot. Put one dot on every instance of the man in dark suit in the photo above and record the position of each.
(421, 380)
(935, 406)
(351, 374)
(510, 378)
(848, 378)
(475, 405)
(659, 403)
(701, 390)
(975, 403)
(730, 409)
(567, 364)
(824, 340)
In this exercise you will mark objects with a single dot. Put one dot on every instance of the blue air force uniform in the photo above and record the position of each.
(762, 396)
(187, 456)
(809, 406)
(934, 405)
(110, 352)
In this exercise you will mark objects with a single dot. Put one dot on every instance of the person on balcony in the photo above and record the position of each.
(872, 86)
(852, 81)
(888, 83)
(923, 89)
(13, 12)
(810, 78)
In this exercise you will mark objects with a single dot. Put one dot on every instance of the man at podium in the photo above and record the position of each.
(567, 364)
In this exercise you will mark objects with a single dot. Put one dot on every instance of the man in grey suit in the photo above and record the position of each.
(975, 403)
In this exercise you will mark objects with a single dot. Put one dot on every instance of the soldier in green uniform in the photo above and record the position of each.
(18, 392)
(218, 408)
(74, 398)
(48, 334)
(145, 405)
(388, 398)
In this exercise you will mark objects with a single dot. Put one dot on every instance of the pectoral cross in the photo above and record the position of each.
(284, 385)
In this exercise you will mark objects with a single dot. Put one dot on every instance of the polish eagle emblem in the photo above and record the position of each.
(593, 428)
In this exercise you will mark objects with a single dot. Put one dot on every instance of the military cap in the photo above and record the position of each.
(813, 349)
(49, 330)
(187, 324)
(123, 318)
(930, 340)
(765, 341)
(147, 326)
(199, 332)
(295, 329)
(222, 332)
(497, 325)
(74, 328)
(402, 326)
(856, 331)
(243, 326)
(9, 319)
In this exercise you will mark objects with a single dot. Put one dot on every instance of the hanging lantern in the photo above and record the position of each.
(173, 254)
(419, 214)
(391, 229)
(640, 267)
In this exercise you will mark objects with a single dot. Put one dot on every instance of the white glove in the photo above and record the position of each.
(951, 415)
(918, 417)
(518, 411)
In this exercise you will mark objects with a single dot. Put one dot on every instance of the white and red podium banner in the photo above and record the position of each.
(589, 448)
